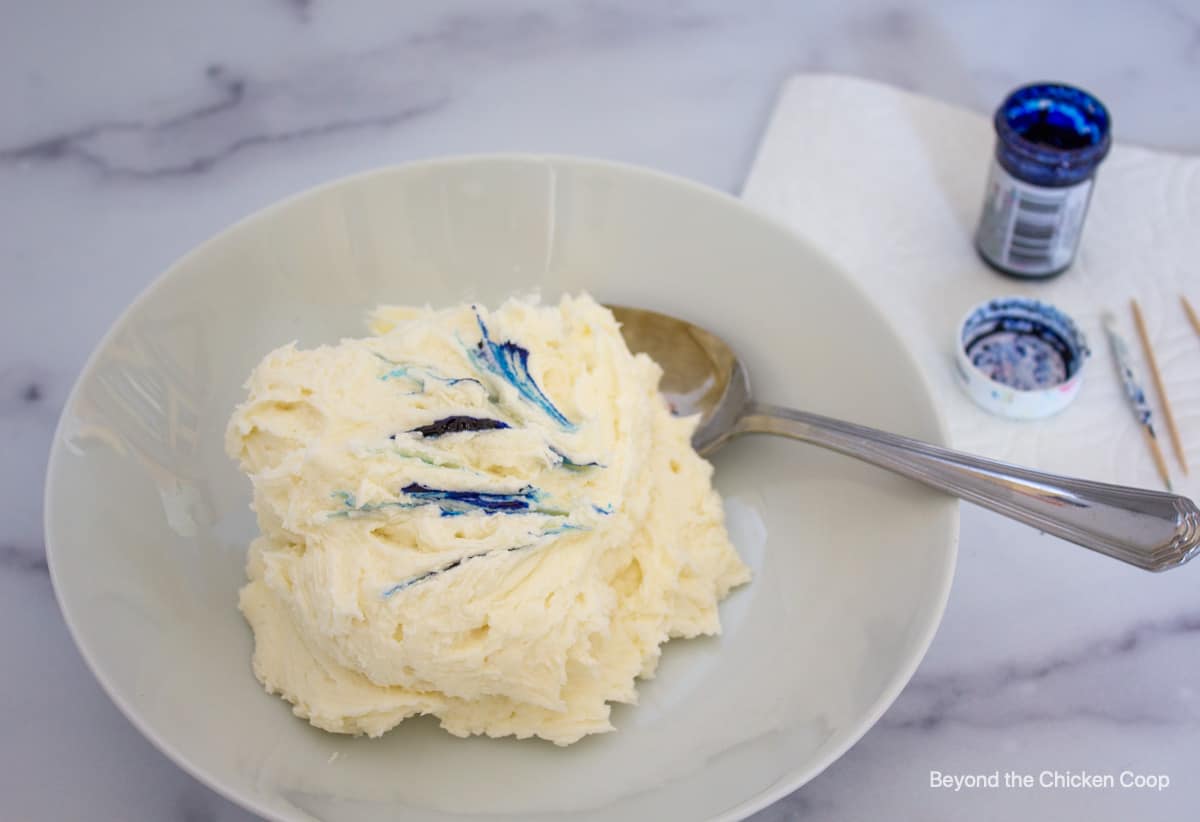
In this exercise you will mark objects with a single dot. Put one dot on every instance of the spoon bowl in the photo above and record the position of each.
(701, 374)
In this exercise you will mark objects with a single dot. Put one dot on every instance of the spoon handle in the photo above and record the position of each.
(1150, 529)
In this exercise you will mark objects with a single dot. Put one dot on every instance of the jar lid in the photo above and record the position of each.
(1020, 358)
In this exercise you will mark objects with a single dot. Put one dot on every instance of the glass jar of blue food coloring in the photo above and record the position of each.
(1050, 139)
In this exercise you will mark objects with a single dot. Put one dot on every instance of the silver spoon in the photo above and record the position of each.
(1150, 529)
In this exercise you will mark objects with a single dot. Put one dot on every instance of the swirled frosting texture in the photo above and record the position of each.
(491, 517)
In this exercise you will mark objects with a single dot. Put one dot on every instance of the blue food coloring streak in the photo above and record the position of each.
(564, 528)
(406, 372)
(454, 503)
(352, 507)
(419, 374)
(455, 425)
(566, 462)
(510, 362)
(605, 510)
(450, 566)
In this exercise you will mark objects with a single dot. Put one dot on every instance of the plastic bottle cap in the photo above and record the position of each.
(1020, 358)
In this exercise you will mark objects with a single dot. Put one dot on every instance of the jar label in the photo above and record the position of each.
(1028, 229)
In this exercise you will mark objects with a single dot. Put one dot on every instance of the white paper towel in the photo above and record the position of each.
(890, 185)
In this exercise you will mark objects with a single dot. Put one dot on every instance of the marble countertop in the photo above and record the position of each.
(136, 130)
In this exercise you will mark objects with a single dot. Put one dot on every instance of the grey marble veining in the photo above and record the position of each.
(133, 131)
(997, 697)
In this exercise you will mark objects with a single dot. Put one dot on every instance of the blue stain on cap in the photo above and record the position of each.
(1020, 358)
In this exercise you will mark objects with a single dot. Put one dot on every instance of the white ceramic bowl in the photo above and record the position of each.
(147, 520)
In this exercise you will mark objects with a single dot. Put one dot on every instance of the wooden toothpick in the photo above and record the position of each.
(1156, 452)
(1191, 313)
(1176, 442)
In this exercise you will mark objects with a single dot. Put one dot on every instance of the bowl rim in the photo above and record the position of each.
(783, 787)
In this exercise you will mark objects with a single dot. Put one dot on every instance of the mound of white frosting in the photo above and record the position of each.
(486, 516)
